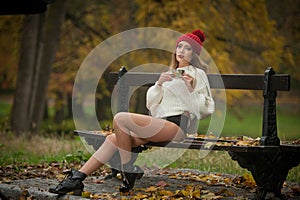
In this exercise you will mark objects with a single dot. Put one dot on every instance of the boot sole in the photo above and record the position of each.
(77, 192)
(139, 176)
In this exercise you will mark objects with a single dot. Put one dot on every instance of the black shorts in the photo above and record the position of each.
(179, 120)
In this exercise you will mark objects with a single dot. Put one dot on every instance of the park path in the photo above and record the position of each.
(155, 184)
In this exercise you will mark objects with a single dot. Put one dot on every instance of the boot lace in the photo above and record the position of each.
(67, 179)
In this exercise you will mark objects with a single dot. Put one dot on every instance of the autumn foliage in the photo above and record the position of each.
(242, 37)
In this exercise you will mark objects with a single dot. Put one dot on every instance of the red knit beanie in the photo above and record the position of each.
(195, 39)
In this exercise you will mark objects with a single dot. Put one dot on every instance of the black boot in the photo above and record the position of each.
(71, 183)
(130, 174)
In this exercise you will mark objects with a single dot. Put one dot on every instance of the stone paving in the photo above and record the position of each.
(108, 189)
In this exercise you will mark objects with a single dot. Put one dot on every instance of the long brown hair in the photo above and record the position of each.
(196, 62)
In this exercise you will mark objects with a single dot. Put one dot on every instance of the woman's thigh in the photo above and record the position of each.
(145, 128)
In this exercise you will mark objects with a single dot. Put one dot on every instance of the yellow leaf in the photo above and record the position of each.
(203, 178)
(196, 193)
(85, 194)
(166, 193)
(141, 196)
(185, 193)
(249, 180)
(178, 193)
(151, 189)
(211, 196)
(173, 177)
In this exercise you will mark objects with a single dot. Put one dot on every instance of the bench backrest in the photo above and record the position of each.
(269, 83)
(278, 82)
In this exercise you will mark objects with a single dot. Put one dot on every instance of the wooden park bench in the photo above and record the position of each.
(269, 161)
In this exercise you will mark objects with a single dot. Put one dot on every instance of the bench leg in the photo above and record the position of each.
(115, 161)
(269, 169)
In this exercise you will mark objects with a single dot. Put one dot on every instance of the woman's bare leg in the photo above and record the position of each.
(101, 156)
(90, 166)
(134, 129)
(131, 130)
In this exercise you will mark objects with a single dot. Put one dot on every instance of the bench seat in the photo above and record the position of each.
(96, 139)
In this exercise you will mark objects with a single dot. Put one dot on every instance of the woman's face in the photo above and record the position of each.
(184, 53)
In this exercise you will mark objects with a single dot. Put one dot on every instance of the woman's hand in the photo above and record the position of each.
(164, 77)
(188, 80)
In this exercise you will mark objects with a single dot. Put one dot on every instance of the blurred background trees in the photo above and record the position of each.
(40, 54)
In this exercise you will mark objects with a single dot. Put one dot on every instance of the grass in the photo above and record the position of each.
(4, 109)
(248, 121)
(220, 161)
(214, 162)
(44, 147)
(35, 149)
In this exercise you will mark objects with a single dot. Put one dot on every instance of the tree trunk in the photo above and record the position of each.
(46, 112)
(52, 29)
(59, 108)
(36, 72)
(40, 39)
(20, 121)
(69, 105)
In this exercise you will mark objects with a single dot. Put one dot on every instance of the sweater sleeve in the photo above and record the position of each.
(154, 96)
(201, 93)
(195, 101)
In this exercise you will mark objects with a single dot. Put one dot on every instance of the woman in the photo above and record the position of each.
(175, 99)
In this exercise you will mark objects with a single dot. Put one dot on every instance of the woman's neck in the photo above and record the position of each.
(183, 65)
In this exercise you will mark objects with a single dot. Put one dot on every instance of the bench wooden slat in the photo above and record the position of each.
(201, 146)
(280, 82)
(93, 138)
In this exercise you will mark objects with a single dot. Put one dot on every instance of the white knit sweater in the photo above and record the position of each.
(173, 97)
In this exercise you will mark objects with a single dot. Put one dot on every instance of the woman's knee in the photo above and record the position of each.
(111, 138)
(120, 118)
